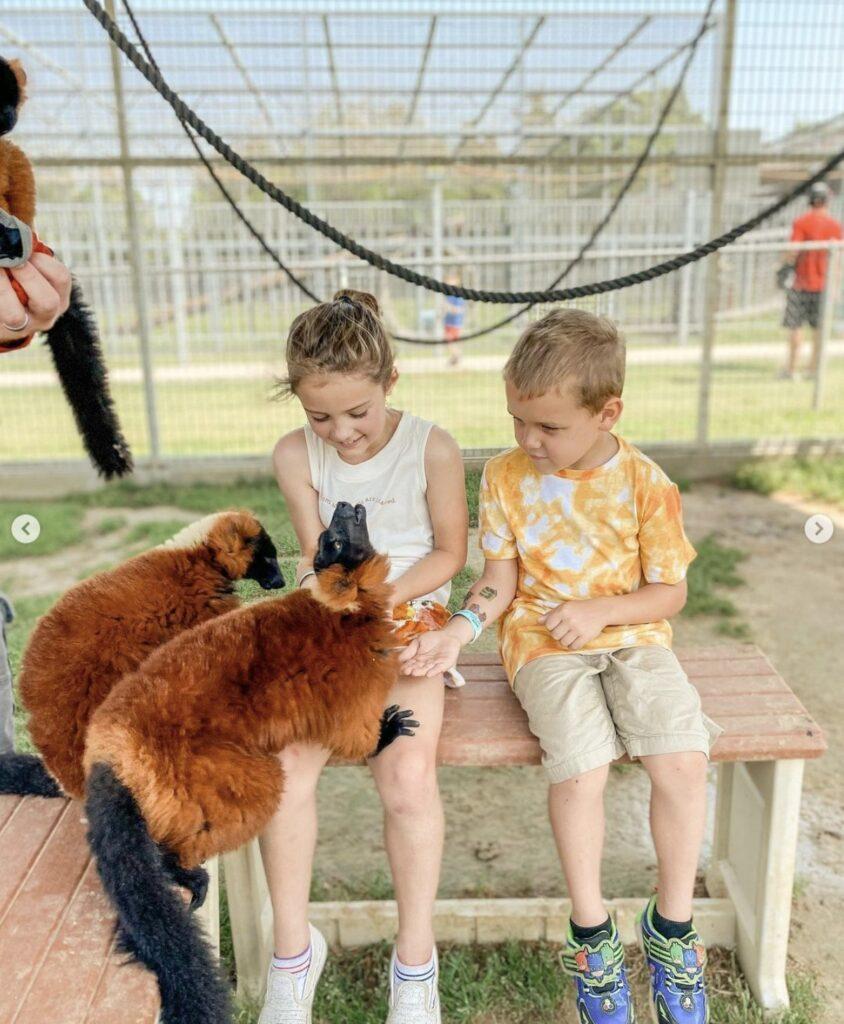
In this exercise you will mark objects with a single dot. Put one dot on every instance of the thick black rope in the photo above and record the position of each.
(405, 273)
(691, 47)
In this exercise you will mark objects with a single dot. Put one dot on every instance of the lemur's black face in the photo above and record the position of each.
(346, 541)
(10, 98)
(264, 567)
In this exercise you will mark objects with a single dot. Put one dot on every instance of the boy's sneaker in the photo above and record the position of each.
(414, 1002)
(600, 978)
(678, 994)
(282, 1003)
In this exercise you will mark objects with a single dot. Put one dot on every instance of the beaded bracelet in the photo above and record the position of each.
(473, 620)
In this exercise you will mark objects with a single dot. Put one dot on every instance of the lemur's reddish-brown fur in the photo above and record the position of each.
(17, 182)
(107, 625)
(194, 733)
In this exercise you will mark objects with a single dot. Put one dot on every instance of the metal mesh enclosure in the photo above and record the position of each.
(479, 140)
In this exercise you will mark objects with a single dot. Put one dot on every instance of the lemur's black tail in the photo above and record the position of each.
(25, 775)
(75, 347)
(154, 924)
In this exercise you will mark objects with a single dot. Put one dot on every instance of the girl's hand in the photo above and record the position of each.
(575, 623)
(47, 286)
(430, 654)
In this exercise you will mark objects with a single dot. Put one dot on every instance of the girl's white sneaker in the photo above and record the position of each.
(413, 1002)
(282, 1003)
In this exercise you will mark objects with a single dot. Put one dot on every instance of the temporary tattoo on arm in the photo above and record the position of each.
(476, 608)
(488, 593)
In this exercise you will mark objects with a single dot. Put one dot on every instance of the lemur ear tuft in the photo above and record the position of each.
(17, 70)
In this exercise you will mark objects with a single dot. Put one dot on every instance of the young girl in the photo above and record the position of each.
(409, 476)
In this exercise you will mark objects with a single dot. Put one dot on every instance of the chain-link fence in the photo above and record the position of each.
(480, 140)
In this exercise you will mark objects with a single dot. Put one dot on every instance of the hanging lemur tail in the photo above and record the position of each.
(25, 775)
(75, 346)
(155, 926)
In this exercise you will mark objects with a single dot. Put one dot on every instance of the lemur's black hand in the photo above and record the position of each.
(195, 880)
(395, 723)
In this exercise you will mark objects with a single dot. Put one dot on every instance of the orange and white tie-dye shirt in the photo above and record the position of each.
(580, 534)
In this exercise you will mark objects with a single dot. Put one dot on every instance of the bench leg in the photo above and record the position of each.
(753, 856)
(251, 916)
(209, 913)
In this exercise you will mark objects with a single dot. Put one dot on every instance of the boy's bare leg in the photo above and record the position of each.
(287, 847)
(576, 809)
(678, 813)
(406, 776)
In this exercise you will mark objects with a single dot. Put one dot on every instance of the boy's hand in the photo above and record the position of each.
(575, 623)
(430, 654)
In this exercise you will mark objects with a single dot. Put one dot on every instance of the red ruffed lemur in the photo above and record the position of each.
(105, 626)
(181, 758)
(73, 339)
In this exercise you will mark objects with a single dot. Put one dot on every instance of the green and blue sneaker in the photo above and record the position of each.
(597, 966)
(678, 994)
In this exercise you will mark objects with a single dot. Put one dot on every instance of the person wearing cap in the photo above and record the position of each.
(805, 296)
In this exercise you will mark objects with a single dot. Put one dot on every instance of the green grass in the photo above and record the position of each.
(519, 983)
(61, 527)
(61, 519)
(154, 532)
(714, 569)
(236, 417)
(27, 611)
(821, 478)
(111, 524)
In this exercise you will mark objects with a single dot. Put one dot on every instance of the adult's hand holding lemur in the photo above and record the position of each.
(47, 283)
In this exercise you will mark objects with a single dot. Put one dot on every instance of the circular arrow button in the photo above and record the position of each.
(819, 528)
(26, 529)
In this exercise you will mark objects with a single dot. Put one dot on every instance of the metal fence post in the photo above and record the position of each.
(831, 286)
(139, 293)
(437, 244)
(718, 178)
(685, 275)
(178, 283)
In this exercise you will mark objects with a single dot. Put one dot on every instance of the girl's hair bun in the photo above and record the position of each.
(361, 298)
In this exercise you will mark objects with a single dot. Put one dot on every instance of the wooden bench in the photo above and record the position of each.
(768, 734)
(59, 964)
(56, 927)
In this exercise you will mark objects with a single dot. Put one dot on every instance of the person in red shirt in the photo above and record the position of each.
(805, 297)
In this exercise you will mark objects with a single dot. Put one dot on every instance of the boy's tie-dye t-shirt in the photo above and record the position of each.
(580, 534)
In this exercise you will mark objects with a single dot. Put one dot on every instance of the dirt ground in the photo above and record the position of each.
(792, 604)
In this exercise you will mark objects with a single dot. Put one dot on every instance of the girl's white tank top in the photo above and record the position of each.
(391, 486)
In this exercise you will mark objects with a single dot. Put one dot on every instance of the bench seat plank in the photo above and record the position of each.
(56, 925)
(762, 718)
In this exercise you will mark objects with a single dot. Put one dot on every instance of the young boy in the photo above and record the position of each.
(586, 559)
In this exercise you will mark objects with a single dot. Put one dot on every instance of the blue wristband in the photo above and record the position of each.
(473, 620)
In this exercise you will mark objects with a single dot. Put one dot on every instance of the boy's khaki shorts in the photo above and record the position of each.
(587, 709)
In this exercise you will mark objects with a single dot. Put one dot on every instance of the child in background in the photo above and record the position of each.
(586, 560)
(455, 314)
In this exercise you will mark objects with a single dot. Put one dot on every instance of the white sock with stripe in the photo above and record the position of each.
(296, 966)
(421, 972)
